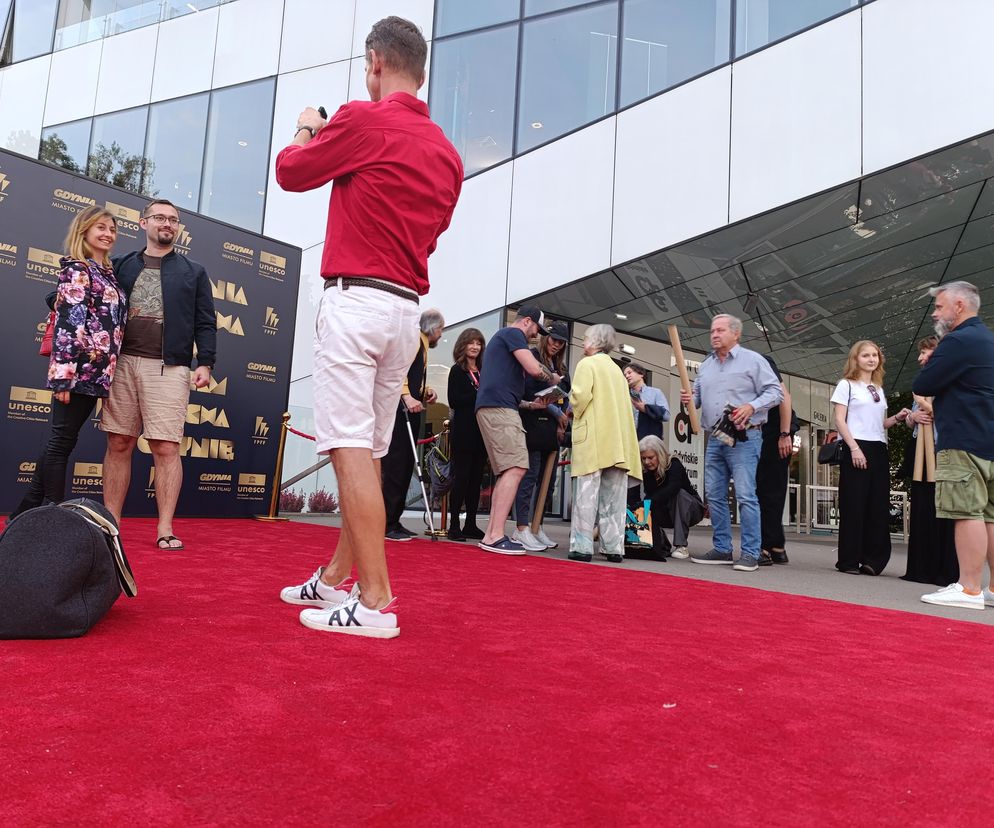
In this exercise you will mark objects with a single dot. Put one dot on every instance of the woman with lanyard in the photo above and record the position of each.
(466, 448)
(864, 474)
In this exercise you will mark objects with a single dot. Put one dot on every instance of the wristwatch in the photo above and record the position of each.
(309, 129)
(785, 434)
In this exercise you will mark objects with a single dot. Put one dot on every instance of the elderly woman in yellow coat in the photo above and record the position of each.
(605, 449)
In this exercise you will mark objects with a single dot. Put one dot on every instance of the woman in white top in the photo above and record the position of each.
(864, 477)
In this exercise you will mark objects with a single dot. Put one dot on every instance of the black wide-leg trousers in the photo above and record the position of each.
(864, 504)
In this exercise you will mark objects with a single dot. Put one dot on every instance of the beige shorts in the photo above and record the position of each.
(964, 486)
(365, 341)
(147, 399)
(504, 437)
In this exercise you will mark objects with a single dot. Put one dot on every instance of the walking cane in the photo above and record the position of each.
(421, 479)
(543, 491)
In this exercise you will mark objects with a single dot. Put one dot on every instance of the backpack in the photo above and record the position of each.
(61, 568)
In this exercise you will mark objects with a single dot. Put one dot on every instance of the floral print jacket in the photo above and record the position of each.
(90, 312)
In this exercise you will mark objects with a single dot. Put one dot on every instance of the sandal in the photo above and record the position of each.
(168, 541)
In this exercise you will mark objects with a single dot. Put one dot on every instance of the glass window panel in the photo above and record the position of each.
(667, 41)
(175, 150)
(758, 22)
(533, 7)
(567, 73)
(4, 19)
(32, 31)
(66, 145)
(117, 148)
(81, 21)
(472, 94)
(452, 16)
(238, 133)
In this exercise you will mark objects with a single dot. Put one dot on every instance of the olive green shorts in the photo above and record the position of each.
(964, 486)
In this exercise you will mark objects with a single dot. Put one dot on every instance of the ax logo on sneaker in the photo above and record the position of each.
(353, 617)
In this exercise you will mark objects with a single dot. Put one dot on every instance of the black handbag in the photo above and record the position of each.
(540, 431)
(830, 454)
(61, 568)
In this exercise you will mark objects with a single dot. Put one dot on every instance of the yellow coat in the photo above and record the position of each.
(603, 424)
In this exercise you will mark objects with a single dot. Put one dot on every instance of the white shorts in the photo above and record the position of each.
(365, 340)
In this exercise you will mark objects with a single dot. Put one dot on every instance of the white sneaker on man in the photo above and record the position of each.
(541, 537)
(988, 598)
(954, 596)
(353, 617)
(680, 553)
(528, 540)
(316, 593)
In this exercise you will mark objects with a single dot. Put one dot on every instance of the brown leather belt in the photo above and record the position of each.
(376, 284)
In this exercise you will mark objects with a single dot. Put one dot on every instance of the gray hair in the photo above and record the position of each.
(600, 337)
(654, 444)
(963, 291)
(431, 318)
(734, 323)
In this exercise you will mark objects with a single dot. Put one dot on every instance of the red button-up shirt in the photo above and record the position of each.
(397, 179)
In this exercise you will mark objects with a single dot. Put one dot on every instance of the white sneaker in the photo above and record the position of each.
(528, 540)
(954, 596)
(316, 593)
(541, 537)
(988, 598)
(680, 552)
(353, 618)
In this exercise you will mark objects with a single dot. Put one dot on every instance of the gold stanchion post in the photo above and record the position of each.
(443, 501)
(274, 503)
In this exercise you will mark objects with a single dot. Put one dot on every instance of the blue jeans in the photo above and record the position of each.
(721, 464)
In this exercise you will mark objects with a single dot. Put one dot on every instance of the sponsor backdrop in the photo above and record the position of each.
(232, 426)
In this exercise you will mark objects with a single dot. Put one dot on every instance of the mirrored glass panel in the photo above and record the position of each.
(66, 145)
(472, 94)
(237, 157)
(567, 72)
(667, 41)
(81, 21)
(758, 22)
(32, 30)
(454, 16)
(533, 7)
(174, 151)
(117, 148)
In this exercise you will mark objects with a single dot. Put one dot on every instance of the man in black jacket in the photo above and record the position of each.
(960, 375)
(170, 309)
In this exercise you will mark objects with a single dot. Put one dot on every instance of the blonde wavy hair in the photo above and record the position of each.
(852, 363)
(75, 244)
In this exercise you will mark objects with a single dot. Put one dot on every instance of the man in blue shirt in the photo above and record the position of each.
(502, 385)
(960, 375)
(733, 375)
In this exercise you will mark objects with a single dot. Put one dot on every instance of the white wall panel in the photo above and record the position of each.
(184, 58)
(72, 83)
(22, 104)
(928, 76)
(126, 70)
(561, 211)
(308, 297)
(796, 118)
(248, 41)
(315, 32)
(671, 171)
(367, 12)
(300, 218)
(468, 270)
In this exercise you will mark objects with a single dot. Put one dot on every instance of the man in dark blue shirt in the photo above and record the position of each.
(960, 375)
(502, 385)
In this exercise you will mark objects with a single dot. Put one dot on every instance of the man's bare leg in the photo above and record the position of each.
(363, 525)
(168, 482)
(340, 566)
(973, 547)
(117, 471)
(501, 501)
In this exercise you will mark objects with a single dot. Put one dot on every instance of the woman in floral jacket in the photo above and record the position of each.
(90, 312)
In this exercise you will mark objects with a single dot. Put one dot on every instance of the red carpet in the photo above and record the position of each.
(521, 691)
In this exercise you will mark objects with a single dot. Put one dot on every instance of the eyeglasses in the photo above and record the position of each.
(873, 391)
(158, 218)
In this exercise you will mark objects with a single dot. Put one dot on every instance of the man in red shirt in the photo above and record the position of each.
(397, 179)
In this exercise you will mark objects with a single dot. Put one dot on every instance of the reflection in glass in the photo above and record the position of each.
(472, 94)
(117, 148)
(758, 22)
(567, 72)
(81, 21)
(176, 133)
(32, 30)
(66, 145)
(533, 7)
(237, 158)
(453, 16)
(667, 41)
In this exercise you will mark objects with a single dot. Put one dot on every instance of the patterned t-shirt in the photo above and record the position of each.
(143, 333)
